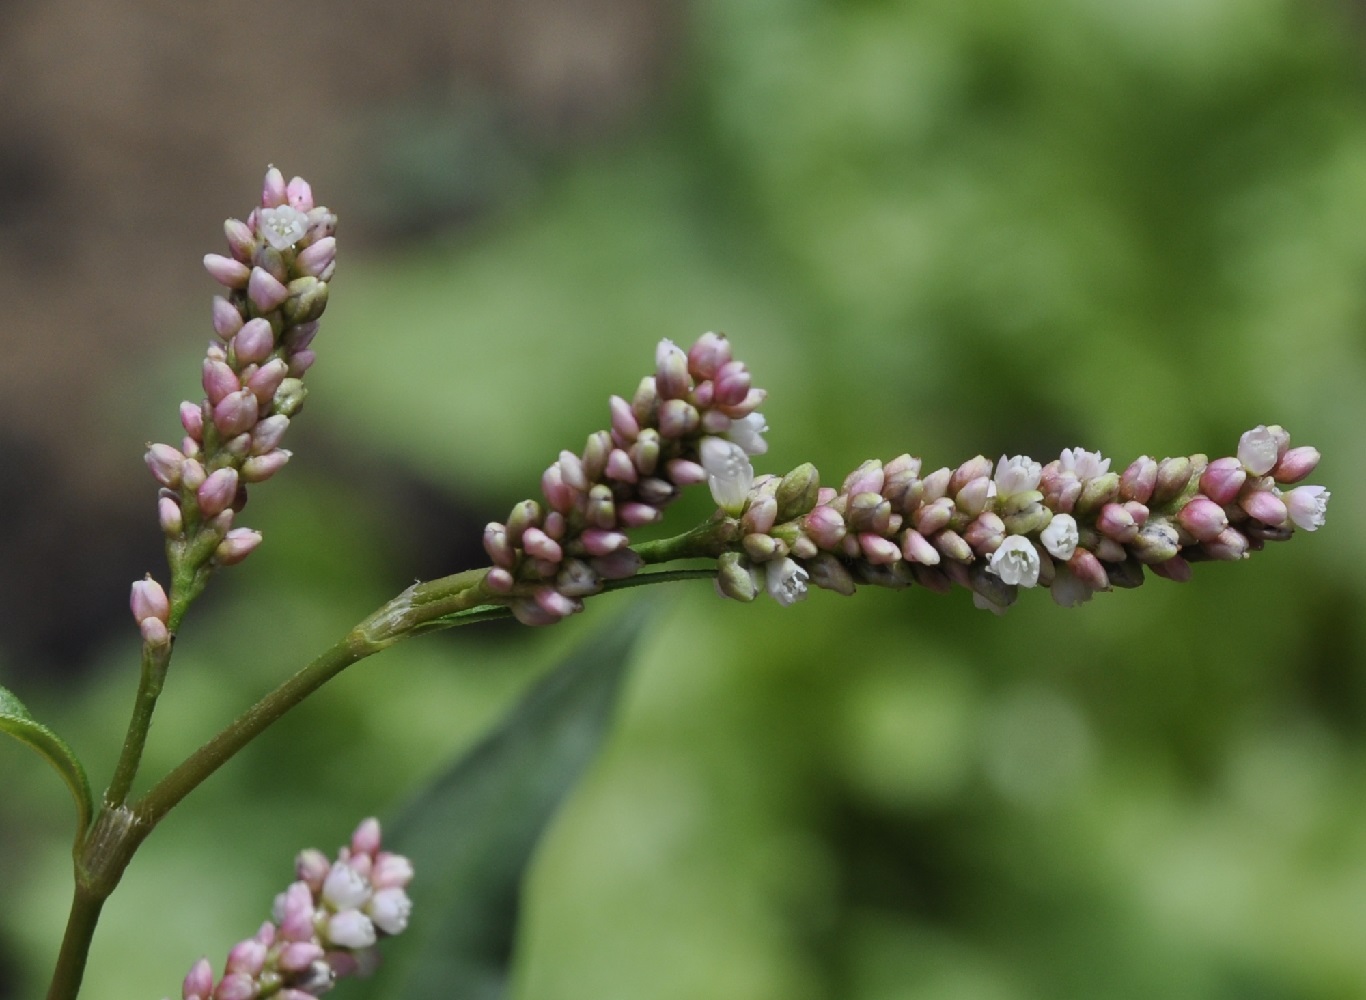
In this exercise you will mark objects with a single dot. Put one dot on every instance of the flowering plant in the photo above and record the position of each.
(1071, 525)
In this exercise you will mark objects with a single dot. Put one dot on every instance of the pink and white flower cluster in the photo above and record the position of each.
(1071, 525)
(324, 927)
(692, 421)
(275, 276)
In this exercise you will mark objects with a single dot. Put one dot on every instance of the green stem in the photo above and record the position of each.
(155, 660)
(80, 929)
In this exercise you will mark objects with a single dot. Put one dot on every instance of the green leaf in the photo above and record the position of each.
(472, 834)
(15, 720)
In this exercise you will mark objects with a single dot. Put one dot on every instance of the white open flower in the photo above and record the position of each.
(748, 433)
(350, 929)
(282, 226)
(1257, 450)
(786, 581)
(1060, 537)
(1016, 562)
(1018, 474)
(1307, 506)
(389, 909)
(344, 888)
(729, 474)
(1082, 463)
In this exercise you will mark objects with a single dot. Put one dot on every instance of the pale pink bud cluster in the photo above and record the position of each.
(275, 277)
(1071, 525)
(692, 421)
(324, 926)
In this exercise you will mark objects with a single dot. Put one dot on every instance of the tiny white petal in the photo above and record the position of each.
(786, 581)
(282, 226)
(748, 433)
(390, 909)
(351, 929)
(344, 888)
(1082, 463)
(1018, 474)
(1308, 506)
(1257, 450)
(1060, 537)
(1016, 562)
(729, 474)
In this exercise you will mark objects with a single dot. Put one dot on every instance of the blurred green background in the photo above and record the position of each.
(938, 226)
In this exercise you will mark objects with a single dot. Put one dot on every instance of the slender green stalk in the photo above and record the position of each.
(120, 829)
(80, 930)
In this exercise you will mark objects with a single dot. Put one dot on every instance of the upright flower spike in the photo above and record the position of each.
(276, 273)
(324, 927)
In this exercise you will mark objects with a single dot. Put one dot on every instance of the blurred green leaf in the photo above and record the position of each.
(472, 834)
(16, 720)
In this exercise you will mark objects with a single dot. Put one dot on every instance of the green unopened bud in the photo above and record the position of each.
(289, 397)
(526, 514)
(306, 302)
(992, 587)
(761, 548)
(1127, 574)
(1172, 476)
(797, 492)
(829, 573)
(1097, 493)
(734, 579)
(1156, 542)
(1033, 517)
(869, 512)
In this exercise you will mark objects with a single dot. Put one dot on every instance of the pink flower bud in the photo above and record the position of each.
(259, 468)
(1230, 546)
(1175, 569)
(1296, 464)
(192, 419)
(247, 957)
(952, 545)
(1222, 480)
(391, 871)
(552, 602)
(254, 342)
(170, 517)
(1138, 480)
(625, 427)
(237, 544)
(619, 565)
(1087, 568)
(878, 550)
(499, 580)
(1264, 506)
(217, 492)
(760, 515)
(934, 516)
(732, 383)
(620, 467)
(917, 549)
(637, 515)
(265, 290)
(708, 355)
(236, 413)
(972, 498)
(154, 632)
(192, 474)
(199, 981)
(226, 271)
(682, 472)
(299, 955)
(265, 382)
(236, 986)
(539, 545)
(557, 493)
(226, 319)
(266, 435)
(314, 260)
(149, 600)
(218, 380)
(241, 240)
(1202, 518)
(671, 371)
(677, 418)
(299, 194)
(273, 190)
(825, 526)
(597, 542)
(973, 468)
(166, 464)
(1117, 523)
(985, 534)
(311, 867)
(497, 546)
